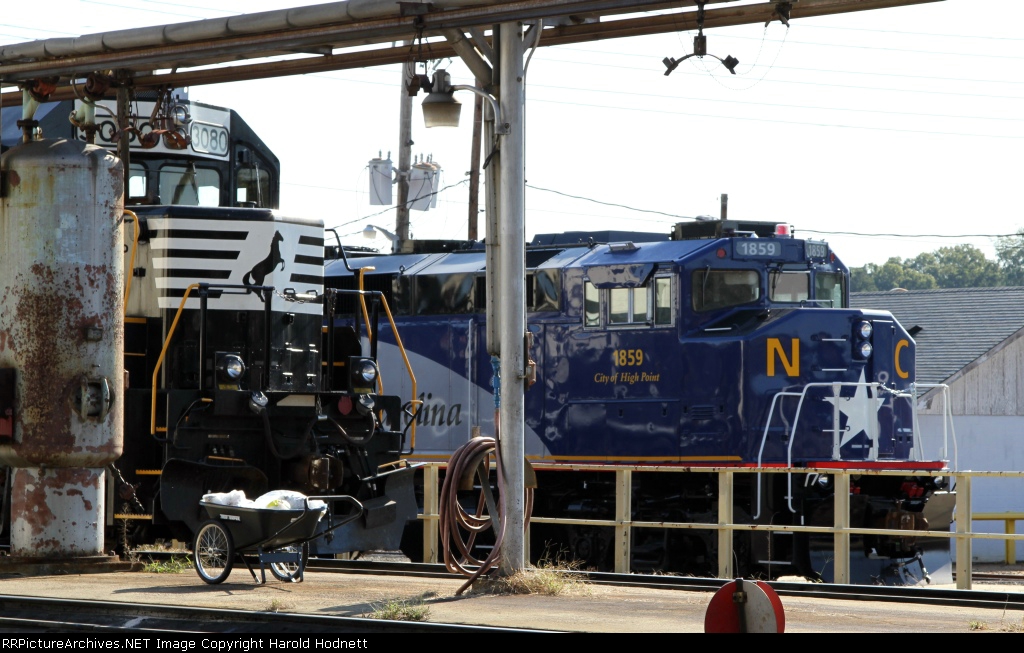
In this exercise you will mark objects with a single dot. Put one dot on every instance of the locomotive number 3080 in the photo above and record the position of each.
(628, 356)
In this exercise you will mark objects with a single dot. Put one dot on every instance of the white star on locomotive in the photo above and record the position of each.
(861, 412)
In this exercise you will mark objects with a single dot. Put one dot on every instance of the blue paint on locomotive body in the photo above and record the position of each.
(663, 365)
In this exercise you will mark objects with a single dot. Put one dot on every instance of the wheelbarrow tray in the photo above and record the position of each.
(270, 528)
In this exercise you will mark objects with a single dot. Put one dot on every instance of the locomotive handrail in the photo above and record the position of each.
(163, 353)
(947, 421)
(131, 259)
(414, 401)
(366, 317)
(170, 334)
(836, 438)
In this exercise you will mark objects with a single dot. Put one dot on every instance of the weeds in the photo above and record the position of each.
(977, 625)
(173, 565)
(554, 575)
(276, 605)
(400, 610)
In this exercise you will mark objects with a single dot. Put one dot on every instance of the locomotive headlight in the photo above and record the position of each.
(865, 349)
(230, 370)
(367, 371)
(864, 330)
(363, 374)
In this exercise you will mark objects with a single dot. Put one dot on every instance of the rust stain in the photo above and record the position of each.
(13, 178)
(32, 506)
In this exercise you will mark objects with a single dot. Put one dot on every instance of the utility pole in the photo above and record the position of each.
(474, 165)
(404, 156)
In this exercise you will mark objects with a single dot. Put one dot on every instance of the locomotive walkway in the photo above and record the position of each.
(590, 608)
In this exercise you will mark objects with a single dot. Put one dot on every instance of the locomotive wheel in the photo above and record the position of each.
(291, 572)
(213, 552)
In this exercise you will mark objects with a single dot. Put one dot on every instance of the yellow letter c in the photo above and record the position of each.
(899, 370)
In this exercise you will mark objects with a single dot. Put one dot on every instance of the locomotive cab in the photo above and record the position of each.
(242, 380)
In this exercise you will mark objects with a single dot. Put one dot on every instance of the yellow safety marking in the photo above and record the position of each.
(126, 516)
(148, 472)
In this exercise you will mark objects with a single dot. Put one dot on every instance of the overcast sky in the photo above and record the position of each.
(889, 132)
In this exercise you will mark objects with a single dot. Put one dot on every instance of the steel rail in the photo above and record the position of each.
(79, 615)
(880, 593)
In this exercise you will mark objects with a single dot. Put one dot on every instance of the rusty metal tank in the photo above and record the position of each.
(62, 334)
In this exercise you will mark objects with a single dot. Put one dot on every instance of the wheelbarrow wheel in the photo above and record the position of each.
(291, 572)
(213, 552)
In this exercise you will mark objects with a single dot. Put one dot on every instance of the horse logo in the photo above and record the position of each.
(255, 277)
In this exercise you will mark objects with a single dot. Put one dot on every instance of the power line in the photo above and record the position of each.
(851, 233)
(621, 206)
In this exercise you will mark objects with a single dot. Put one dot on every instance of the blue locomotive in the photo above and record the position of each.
(722, 343)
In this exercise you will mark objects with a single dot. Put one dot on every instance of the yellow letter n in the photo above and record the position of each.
(792, 366)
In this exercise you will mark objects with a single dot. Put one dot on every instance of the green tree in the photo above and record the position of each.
(894, 273)
(961, 266)
(1010, 255)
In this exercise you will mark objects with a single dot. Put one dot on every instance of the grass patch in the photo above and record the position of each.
(547, 581)
(977, 625)
(276, 605)
(400, 610)
(174, 565)
(554, 575)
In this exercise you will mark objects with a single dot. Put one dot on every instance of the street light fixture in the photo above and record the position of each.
(441, 109)
(700, 47)
(371, 231)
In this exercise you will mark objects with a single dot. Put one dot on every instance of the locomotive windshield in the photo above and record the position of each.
(714, 289)
(789, 286)
(828, 286)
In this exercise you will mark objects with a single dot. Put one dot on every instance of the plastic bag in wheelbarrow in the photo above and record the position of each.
(184, 482)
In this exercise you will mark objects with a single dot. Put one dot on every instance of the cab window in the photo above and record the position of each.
(714, 289)
(642, 306)
(794, 287)
(189, 185)
(828, 289)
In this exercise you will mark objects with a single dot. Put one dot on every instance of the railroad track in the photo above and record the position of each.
(921, 595)
(386, 565)
(25, 614)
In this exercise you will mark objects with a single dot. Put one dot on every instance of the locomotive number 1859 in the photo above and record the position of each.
(625, 357)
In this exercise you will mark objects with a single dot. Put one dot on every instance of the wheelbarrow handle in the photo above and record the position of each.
(336, 497)
(346, 520)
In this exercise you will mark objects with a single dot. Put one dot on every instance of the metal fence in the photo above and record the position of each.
(841, 530)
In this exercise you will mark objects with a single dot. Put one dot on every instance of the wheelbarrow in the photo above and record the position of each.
(277, 538)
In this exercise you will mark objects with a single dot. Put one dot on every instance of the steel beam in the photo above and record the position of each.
(228, 49)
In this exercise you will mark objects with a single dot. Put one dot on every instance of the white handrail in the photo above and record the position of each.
(836, 388)
(947, 422)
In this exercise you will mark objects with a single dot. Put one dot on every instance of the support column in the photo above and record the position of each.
(512, 330)
(624, 519)
(726, 569)
(963, 520)
(841, 522)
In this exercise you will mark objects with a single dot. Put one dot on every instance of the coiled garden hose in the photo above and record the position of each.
(455, 520)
